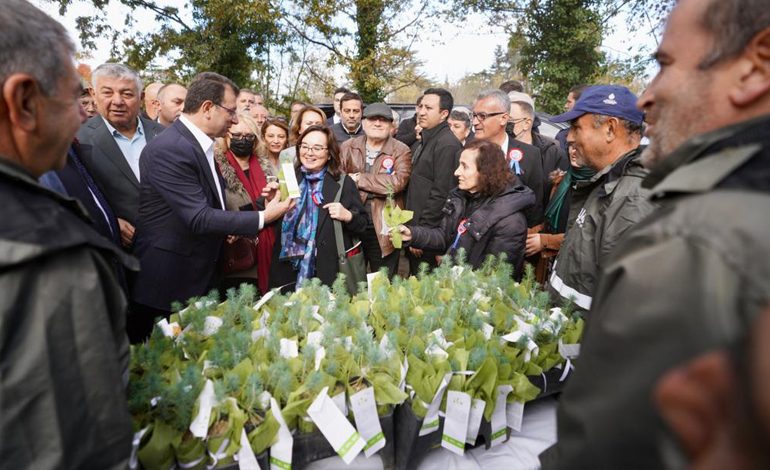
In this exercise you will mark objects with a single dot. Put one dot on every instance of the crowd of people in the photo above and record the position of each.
(121, 201)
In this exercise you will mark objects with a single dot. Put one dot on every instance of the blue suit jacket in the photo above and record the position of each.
(181, 225)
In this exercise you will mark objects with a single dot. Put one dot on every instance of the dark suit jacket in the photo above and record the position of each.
(181, 225)
(109, 167)
(532, 177)
(282, 272)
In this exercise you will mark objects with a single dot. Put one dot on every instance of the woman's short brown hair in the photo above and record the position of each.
(334, 164)
(494, 174)
(262, 150)
(294, 132)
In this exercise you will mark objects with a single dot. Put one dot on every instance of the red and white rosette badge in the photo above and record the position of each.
(387, 164)
(514, 157)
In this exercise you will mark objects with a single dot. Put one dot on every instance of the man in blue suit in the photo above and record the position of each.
(182, 222)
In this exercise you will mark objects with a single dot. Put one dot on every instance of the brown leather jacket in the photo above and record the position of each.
(379, 179)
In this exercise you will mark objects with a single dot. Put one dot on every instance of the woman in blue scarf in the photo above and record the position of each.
(306, 247)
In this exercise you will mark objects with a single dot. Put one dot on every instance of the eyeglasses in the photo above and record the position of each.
(248, 137)
(231, 112)
(516, 121)
(485, 116)
(314, 148)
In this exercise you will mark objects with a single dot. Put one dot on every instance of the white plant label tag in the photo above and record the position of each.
(499, 421)
(369, 280)
(289, 348)
(291, 180)
(211, 325)
(245, 456)
(487, 329)
(474, 420)
(265, 299)
(207, 399)
(367, 422)
(431, 422)
(342, 436)
(458, 408)
(320, 354)
(569, 351)
(514, 414)
(341, 402)
(280, 452)
(317, 316)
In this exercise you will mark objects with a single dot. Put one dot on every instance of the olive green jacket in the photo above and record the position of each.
(687, 280)
(63, 346)
(616, 203)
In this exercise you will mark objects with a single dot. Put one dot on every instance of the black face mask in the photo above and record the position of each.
(241, 147)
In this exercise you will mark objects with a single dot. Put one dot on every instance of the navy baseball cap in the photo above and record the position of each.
(609, 100)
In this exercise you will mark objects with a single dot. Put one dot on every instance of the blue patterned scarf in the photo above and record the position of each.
(300, 224)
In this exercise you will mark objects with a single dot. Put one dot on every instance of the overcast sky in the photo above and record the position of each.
(458, 51)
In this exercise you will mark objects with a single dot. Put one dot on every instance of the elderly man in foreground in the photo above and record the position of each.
(62, 311)
(693, 275)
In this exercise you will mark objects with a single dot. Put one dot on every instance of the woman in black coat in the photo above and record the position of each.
(484, 214)
(305, 247)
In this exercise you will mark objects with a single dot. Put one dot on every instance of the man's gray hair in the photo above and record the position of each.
(526, 108)
(461, 114)
(396, 117)
(501, 97)
(732, 24)
(33, 43)
(116, 71)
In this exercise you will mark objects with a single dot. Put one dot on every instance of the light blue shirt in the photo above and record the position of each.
(130, 148)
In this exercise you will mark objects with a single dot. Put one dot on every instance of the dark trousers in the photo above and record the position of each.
(373, 253)
(141, 320)
(428, 257)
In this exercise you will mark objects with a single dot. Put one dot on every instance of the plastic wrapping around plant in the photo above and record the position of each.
(201, 388)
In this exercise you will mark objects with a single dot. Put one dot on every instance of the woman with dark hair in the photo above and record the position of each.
(275, 138)
(484, 214)
(306, 246)
(308, 116)
(245, 177)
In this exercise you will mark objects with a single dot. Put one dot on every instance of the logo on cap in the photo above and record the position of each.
(610, 99)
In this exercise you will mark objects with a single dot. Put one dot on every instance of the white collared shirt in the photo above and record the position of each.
(207, 145)
(130, 148)
(505, 146)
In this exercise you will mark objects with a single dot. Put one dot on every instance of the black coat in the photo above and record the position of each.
(406, 133)
(531, 175)
(434, 161)
(554, 158)
(283, 273)
(497, 225)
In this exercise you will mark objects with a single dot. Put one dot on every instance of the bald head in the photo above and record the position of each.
(151, 105)
(171, 98)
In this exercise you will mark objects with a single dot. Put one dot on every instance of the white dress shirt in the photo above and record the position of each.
(207, 145)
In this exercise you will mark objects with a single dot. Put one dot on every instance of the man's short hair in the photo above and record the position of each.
(511, 85)
(119, 71)
(445, 100)
(164, 88)
(34, 43)
(350, 96)
(460, 115)
(499, 96)
(633, 129)
(732, 25)
(577, 90)
(207, 86)
(526, 108)
(247, 90)
(341, 89)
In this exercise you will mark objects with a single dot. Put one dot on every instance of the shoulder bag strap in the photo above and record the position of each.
(338, 225)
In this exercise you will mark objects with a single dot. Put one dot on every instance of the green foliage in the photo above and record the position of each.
(562, 49)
